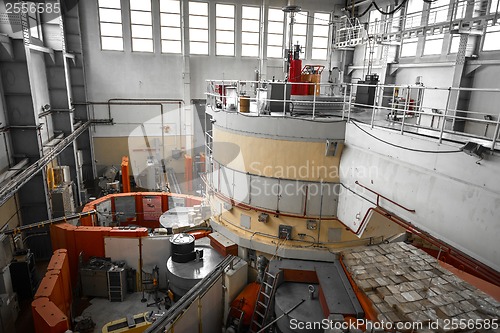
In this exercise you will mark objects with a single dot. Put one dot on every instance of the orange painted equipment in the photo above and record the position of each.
(47, 317)
(365, 302)
(51, 287)
(125, 175)
(127, 232)
(199, 233)
(90, 241)
(59, 265)
(245, 302)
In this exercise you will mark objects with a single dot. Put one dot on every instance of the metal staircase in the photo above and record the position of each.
(263, 307)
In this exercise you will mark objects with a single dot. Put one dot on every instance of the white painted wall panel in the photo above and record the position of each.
(156, 251)
(121, 248)
(455, 199)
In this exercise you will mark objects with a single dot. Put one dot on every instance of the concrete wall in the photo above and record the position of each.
(455, 198)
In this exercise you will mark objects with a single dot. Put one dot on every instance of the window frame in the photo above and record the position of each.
(314, 36)
(283, 21)
(233, 31)
(162, 38)
(132, 38)
(253, 32)
(100, 21)
(207, 29)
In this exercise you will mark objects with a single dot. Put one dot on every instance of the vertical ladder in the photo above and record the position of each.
(262, 308)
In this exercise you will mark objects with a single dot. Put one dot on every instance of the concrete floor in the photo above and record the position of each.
(102, 311)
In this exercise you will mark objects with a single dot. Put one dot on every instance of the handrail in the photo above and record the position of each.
(384, 197)
(442, 118)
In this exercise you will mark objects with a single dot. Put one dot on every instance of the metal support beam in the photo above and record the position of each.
(22, 178)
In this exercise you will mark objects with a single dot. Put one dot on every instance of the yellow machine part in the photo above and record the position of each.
(139, 324)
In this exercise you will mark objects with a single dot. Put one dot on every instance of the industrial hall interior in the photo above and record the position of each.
(247, 166)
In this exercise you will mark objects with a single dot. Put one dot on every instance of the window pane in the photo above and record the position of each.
(142, 31)
(300, 29)
(170, 6)
(320, 42)
(274, 51)
(250, 38)
(170, 20)
(321, 18)
(250, 12)
(140, 18)
(140, 5)
(321, 30)
(224, 10)
(33, 24)
(275, 27)
(224, 36)
(460, 10)
(433, 45)
(224, 49)
(275, 40)
(110, 15)
(438, 11)
(455, 43)
(198, 35)
(111, 29)
(142, 45)
(414, 13)
(301, 40)
(170, 46)
(198, 22)
(494, 6)
(409, 47)
(301, 18)
(171, 33)
(492, 38)
(249, 50)
(112, 43)
(198, 8)
(275, 15)
(319, 54)
(224, 23)
(250, 25)
(198, 48)
(110, 3)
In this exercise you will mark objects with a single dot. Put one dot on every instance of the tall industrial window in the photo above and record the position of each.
(170, 22)
(110, 25)
(224, 30)
(495, 6)
(414, 13)
(438, 11)
(460, 9)
(141, 25)
(300, 32)
(321, 29)
(198, 28)
(374, 22)
(455, 43)
(433, 44)
(492, 38)
(409, 47)
(250, 28)
(396, 22)
(275, 22)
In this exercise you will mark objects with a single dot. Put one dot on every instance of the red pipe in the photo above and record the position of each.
(385, 198)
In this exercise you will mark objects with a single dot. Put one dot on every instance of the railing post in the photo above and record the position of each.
(407, 97)
(495, 134)
(421, 91)
(284, 98)
(314, 101)
(444, 116)
(349, 102)
(238, 95)
(343, 106)
(374, 106)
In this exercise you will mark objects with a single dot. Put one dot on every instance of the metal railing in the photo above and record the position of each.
(438, 112)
